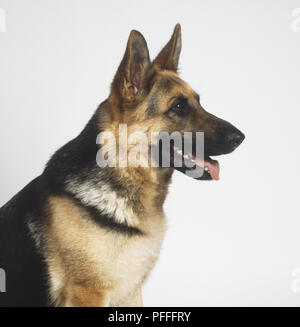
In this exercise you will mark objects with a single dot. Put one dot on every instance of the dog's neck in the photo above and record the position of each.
(146, 187)
(121, 194)
(126, 195)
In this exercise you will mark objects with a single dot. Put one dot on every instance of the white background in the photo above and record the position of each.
(232, 242)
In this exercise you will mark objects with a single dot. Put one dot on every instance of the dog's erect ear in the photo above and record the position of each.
(168, 57)
(133, 67)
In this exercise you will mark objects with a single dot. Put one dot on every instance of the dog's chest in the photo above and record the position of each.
(128, 260)
(132, 263)
(116, 260)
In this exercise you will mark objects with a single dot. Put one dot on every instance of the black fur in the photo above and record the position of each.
(108, 222)
(20, 255)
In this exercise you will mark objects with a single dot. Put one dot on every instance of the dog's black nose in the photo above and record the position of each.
(235, 138)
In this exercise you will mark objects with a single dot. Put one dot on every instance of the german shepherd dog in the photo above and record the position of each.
(84, 235)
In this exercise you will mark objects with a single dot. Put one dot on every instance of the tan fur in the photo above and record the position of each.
(93, 267)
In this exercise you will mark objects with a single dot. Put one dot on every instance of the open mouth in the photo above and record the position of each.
(190, 162)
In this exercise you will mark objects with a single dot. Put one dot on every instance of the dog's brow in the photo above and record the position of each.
(174, 99)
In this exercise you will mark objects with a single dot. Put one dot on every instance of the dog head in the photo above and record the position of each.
(150, 96)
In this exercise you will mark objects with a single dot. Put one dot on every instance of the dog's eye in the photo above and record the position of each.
(178, 107)
(181, 108)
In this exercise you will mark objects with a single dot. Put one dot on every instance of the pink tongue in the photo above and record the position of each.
(213, 167)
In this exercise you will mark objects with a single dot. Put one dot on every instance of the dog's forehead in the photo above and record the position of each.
(167, 87)
(169, 83)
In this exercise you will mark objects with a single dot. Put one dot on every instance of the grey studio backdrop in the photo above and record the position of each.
(232, 242)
